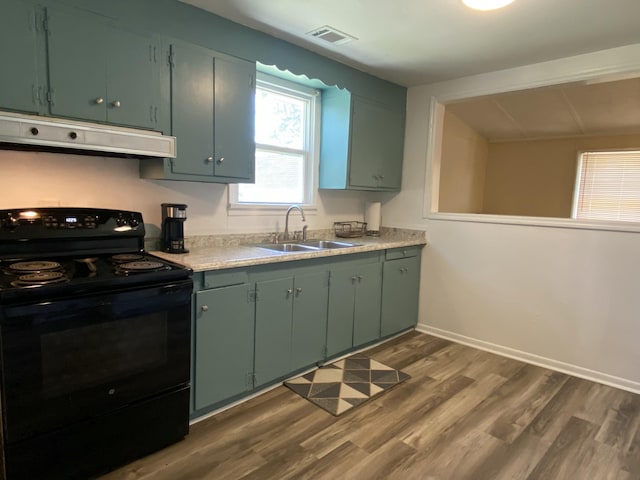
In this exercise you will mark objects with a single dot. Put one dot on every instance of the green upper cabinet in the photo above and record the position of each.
(22, 85)
(212, 118)
(362, 143)
(101, 73)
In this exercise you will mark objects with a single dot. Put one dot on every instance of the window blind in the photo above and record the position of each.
(608, 186)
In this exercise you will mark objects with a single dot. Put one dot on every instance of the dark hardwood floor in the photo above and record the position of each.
(464, 414)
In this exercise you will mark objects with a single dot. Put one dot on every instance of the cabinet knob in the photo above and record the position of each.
(209, 159)
(289, 291)
(220, 160)
(116, 104)
(360, 277)
(354, 279)
(99, 101)
(204, 308)
(298, 290)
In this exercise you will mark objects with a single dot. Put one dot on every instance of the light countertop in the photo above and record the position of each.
(220, 252)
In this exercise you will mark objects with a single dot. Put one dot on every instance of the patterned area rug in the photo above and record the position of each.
(342, 385)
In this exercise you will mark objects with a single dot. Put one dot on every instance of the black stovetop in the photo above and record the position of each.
(38, 278)
(56, 252)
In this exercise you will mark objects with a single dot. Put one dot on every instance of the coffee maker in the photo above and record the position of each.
(173, 217)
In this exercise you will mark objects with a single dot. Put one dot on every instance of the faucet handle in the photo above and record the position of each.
(275, 237)
(304, 232)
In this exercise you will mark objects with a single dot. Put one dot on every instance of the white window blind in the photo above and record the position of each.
(608, 186)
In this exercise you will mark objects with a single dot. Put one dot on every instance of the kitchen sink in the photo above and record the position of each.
(287, 247)
(329, 244)
(307, 246)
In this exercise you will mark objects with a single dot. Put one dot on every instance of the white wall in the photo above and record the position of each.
(29, 179)
(562, 297)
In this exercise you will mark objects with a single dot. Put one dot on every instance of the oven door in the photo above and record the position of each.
(71, 359)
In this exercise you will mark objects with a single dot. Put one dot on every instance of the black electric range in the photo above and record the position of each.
(95, 337)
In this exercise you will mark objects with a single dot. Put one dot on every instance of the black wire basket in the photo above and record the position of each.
(350, 229)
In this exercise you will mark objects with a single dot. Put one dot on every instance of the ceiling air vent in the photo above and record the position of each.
(331, 35)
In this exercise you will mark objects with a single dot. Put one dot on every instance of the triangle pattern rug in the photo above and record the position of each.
(342, 385)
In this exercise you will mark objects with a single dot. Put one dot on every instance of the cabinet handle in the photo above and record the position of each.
(298, 291)
(289, 291)
(354, 279)
(116, 104)
(209, 159)
(220, 160)
(204, 308)
(360, 277)
(99, 101)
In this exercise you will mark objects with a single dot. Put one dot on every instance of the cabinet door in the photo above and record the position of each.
(192, 109)
(366, 317)
(309, 319)
(77, 67)
(19, 83)
(224, 332)
(377, 138)
(341, 309)
(234, 118)
(131, 85)
(274, 310)
(400, 294)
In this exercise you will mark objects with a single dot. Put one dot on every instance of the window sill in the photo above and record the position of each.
(262, 209)
(538, 221)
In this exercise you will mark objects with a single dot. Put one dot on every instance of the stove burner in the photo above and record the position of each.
(140, 267)
(126, 257)
(34, 266)
(39, 278)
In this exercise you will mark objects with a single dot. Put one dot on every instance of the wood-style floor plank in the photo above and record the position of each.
(463, 414)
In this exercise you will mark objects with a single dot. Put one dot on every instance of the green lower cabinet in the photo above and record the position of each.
(400, 294)
(354, 306)
(224, 331)
(291, 323)
(274, 310)
(256, 326)
(366, 317)
(309, 319)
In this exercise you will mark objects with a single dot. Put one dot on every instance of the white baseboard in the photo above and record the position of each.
(576, 371)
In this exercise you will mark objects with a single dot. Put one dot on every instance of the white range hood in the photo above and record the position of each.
(43, 133)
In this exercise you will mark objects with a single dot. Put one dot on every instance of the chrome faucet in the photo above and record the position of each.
(286, 221)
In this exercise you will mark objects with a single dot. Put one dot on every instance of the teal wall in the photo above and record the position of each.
(177, 20)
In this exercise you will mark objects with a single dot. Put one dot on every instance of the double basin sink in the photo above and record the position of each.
(306, 246)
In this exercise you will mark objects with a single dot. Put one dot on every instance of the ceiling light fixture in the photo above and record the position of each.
(486, 4)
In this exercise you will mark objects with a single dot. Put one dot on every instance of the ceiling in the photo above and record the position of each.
(414, 42)
(575, 110)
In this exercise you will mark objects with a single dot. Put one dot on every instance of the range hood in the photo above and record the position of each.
(27, 132)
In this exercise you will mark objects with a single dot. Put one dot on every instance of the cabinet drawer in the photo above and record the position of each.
(404, 252)
(224, 278)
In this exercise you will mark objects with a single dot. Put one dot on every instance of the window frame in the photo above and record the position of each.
(311, 151)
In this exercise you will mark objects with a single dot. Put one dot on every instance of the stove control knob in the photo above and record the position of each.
(9, 223)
